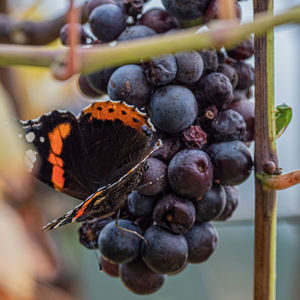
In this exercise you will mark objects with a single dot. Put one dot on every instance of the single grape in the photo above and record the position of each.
(232, 162)
(189, 66)
(243, 50)
(154, 179)
(64, 34)
(90, 230)
(161, 70)
(232, 201)
(136, 32)
(230, 72)
(117, 245)
(107, 22)
(159, 20)
(140, 205)
(168, 149)
(128, 83)
(202, 240)
(174, 213)
(85, 88)
(247, 110)
(228, 125)
(139, 279)
(173, 108)
(194, 137)
(92, 4)
(166, 252)
(214, 89)
(186, 9)
(99, 80)
(190, 173)
(210, 60)
(245, 74)
(108, 267)
(211, 205)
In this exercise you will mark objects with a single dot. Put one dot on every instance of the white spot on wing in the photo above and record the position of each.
(42, 139)
(30, 136)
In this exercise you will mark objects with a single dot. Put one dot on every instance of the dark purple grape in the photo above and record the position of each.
(136, 32)
(161, 70)
(186, 9)
(128, 83)
(154, 179)
(168, 149)
(89, 232)
(245, 74)
(166, 252)
(140, 205)
(139, 279)
(85, 88)
(107, 22)
(214, 89)
(173, 108)
(65, 33)
(190, 173)
(194, 137)
(230, 72)
(232, 162)
(239, 95)
(99, 80)
(189, 66)
(247, 110)
(117, 245)
(159, 20)
(243, 50)
(108, 267)
(92, 4)
(210, 60)
(228, 125)
(211, 205)
(232, 201)
(174, 213)
(202, 240)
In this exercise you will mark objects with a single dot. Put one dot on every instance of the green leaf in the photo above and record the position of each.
(283, 116)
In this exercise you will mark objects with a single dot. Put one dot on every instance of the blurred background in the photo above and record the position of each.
(29, 257)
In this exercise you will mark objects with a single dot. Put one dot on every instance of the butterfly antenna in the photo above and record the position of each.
(128, 230)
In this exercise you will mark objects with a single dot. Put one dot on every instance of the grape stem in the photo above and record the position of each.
(279, 182)
(227, 33)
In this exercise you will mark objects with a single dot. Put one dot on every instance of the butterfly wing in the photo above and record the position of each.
(99, 150)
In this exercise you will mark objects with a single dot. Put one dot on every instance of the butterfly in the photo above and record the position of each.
(97, 156)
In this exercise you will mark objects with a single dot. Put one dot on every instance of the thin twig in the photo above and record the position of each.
(279, 182)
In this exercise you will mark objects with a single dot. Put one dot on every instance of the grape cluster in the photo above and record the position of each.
(199, 104)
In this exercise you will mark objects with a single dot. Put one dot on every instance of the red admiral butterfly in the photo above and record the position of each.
(105, 146)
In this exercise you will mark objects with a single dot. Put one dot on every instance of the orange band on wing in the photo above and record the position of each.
(57, 135)
(55, 160)
(109, 110)
(57, 177)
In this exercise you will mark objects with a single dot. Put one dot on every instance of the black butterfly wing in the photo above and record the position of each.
(61, 157)
(81, 155)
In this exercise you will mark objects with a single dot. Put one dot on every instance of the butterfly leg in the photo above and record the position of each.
(128, 230)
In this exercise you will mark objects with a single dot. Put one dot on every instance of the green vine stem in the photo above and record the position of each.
(265, 152)
(226, 33)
